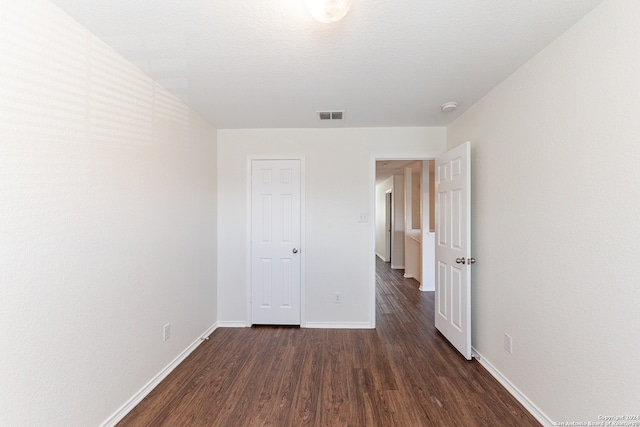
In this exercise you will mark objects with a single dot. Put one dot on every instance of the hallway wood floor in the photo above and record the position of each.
(403, 373)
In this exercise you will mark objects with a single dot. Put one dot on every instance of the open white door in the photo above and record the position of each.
(453, 247)
(275, 242)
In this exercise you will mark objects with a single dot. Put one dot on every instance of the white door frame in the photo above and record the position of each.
(301, 158)
(372, 245)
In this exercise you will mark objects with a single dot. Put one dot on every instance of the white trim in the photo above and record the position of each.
(372, 248)
(303, 245)
(248, 242)
(236, 324)
(336, 325)
(117, 416)
(303, 242)
(379, 255)
(425, 289)
(515, 392)
(397, 267)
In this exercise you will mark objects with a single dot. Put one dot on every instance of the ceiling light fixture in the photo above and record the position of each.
(328, 11)
(448, 107)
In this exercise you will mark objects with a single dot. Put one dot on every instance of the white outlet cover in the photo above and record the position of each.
(166, 332)
(363, 217)
(508, 343)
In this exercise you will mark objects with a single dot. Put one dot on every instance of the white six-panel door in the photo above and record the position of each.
(453, 247)
(275, 242)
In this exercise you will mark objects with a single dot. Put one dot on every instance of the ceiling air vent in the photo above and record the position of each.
(331, 115)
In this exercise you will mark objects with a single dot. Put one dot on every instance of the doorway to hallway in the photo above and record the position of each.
(404, 210)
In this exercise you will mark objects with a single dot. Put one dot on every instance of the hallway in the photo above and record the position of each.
(403, 373)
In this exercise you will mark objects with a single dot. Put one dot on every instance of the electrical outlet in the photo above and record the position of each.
(508, 343)
(166, 332)
(337, 297)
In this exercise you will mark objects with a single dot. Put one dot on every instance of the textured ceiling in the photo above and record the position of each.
(268, 64)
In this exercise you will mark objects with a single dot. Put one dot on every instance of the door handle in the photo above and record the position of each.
(471, 260)
(295, 250)
(460, 261)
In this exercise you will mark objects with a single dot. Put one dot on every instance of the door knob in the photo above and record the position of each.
(471, 260)
(460, 261)
(295, 250)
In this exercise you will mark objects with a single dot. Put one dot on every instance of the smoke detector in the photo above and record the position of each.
(448, 107)
(331, 115)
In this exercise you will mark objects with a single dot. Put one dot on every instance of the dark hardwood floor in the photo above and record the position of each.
(403, 373)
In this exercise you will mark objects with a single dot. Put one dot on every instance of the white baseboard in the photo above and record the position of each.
(144, 391)
(381, 257)
(309, 325)
(397, 267)
(332, 325)
(235, 324)
(515, 392)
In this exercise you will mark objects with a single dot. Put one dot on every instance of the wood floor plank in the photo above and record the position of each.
(403, 373)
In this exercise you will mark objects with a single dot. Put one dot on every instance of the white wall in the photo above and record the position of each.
(381, 217)
(339, 251)
(412, 218)
(556, 179)
(428, 237)
(107, 223)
